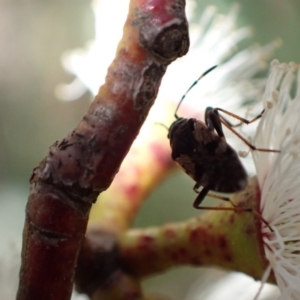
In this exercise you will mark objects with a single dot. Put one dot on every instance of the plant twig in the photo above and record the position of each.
(84, 163)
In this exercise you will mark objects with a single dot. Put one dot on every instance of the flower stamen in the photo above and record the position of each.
(279, 176)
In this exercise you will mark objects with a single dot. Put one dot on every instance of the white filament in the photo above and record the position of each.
(279, 175)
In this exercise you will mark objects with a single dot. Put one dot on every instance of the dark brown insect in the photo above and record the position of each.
(201, 150)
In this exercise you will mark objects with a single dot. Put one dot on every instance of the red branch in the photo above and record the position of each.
(84, 163)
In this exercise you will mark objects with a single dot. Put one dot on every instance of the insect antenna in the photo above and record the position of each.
(182, 98)
(161, 124)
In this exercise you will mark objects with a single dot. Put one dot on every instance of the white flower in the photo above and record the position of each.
(231, 286)
(90, 63)
(214, 40)
(279, 175)
(77, 296)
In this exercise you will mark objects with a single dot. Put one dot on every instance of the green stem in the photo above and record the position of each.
(227, 239)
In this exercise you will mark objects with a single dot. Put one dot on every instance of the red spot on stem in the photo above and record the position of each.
(232, 219)
(145, 242)
(180, 255)
(222, 242)
(131, 190)
(198, 235)
(170, 233)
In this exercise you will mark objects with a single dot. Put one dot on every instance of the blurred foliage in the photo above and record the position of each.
(33, 36)
(269, 19)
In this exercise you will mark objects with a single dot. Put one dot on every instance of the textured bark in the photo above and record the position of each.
(84, 163)
(145, 166)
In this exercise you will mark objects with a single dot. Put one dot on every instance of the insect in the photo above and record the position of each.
(201, 150)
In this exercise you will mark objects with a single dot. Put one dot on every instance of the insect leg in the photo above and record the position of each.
(256, 213)
(212, 124)
(197, 202)
(200, 197)
(213, 121)
(196, 187)
(238, 210)
(221, 198)
(262, 219)
(229, 123)
(235, 209)
(238, 117)
(214, 115)
(204, 193)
